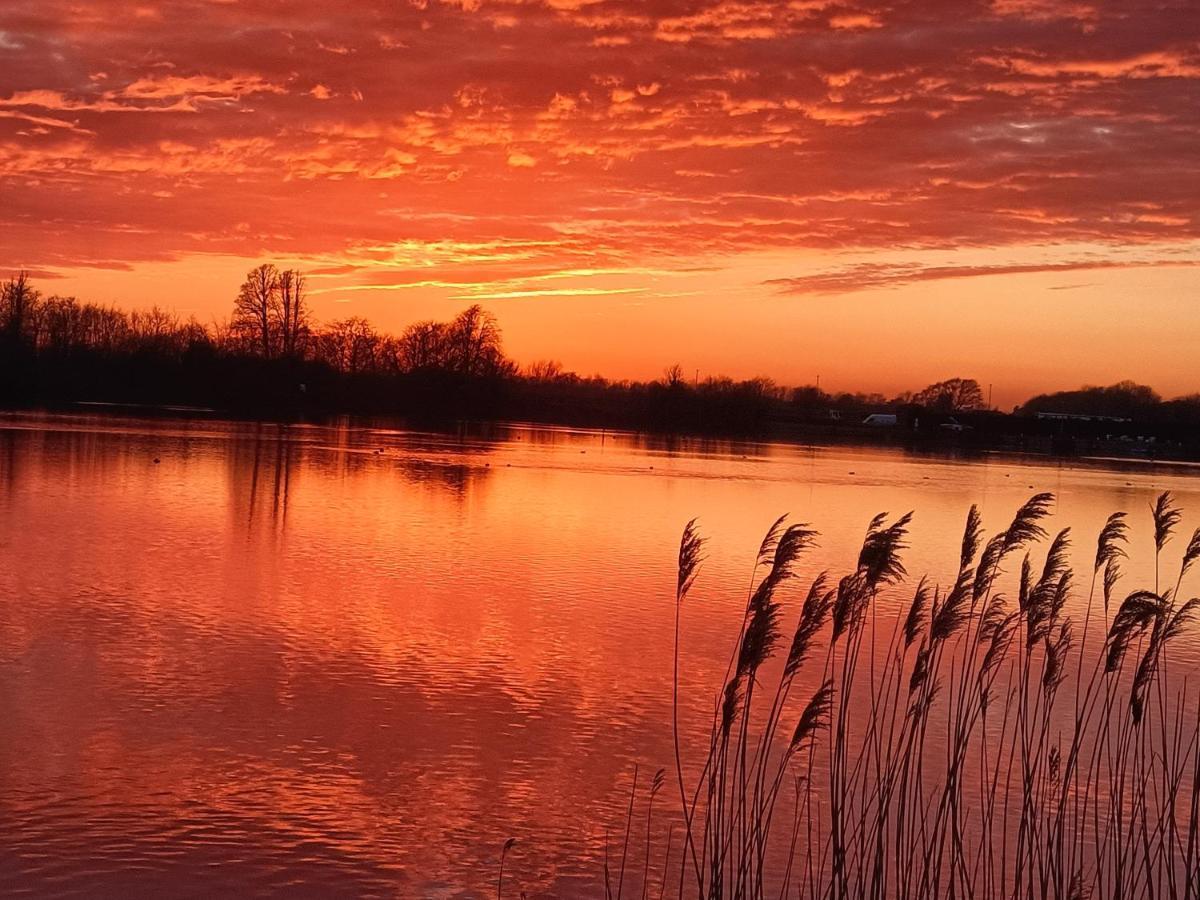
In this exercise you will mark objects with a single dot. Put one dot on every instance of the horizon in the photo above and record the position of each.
(697, 376)
(882, 196)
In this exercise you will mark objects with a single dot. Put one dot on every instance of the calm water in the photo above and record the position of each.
(345, 661)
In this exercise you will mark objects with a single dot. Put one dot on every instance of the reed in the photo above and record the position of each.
(963, 744)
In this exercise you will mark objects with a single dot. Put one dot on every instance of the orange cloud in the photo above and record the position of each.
(873, 276)
(468, 146)
(1155, 64)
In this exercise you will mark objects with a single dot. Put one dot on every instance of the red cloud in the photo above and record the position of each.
(618, 132)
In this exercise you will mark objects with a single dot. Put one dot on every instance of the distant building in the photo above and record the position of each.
(880, 419)
(1079, 417)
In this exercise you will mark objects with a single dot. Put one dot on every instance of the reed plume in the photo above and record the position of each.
(952, 769)
(916, 612)
(814, 717)
(1166, 517)
(691, 547)
(1109, 544)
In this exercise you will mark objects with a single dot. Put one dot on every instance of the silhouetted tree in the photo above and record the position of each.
(18, 302)
(472, 344)
(388, 356)
(1125, 399)
(62, 325)
(254, 311)
(952, 395)
(291, 312)
(348, 345)
(422, 346)
(544, 370)
(155, 330)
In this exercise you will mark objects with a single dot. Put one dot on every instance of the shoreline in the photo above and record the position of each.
(966, 445)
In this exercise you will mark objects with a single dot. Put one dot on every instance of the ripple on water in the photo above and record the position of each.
(276, 665)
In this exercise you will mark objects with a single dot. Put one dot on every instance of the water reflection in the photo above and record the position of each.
(260, 474)
(354, 659)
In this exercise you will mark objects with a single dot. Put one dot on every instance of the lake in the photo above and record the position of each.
(353, 660)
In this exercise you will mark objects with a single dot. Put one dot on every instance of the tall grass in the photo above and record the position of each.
(972, 741)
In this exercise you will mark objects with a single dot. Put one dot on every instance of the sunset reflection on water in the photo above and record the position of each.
(356, 660)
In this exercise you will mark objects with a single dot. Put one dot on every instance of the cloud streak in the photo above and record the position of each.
(876, 276)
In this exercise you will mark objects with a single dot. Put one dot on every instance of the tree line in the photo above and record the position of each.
(270, 357)
(271, 318)
(1123, 400)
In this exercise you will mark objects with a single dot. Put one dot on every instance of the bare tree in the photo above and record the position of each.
(255, 310)
(18, 304)
(544, 370)
(104, 328)
(154, 329)
(348, 345)
(422, 346)
(61, 325)
(292, 312)
(389, 354)
(473, 343)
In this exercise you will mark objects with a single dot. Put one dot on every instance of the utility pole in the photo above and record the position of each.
(990, 396)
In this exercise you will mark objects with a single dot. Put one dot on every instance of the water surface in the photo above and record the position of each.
(241, 658)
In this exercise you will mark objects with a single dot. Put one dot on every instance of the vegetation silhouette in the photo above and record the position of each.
(953, 395)
(271, 359)
(974, 741)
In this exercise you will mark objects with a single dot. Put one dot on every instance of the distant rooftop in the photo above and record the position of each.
(1081, 417)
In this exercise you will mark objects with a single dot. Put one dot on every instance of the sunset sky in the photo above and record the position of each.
(879, 193)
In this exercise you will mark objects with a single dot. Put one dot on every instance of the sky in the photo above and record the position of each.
(878, 194)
